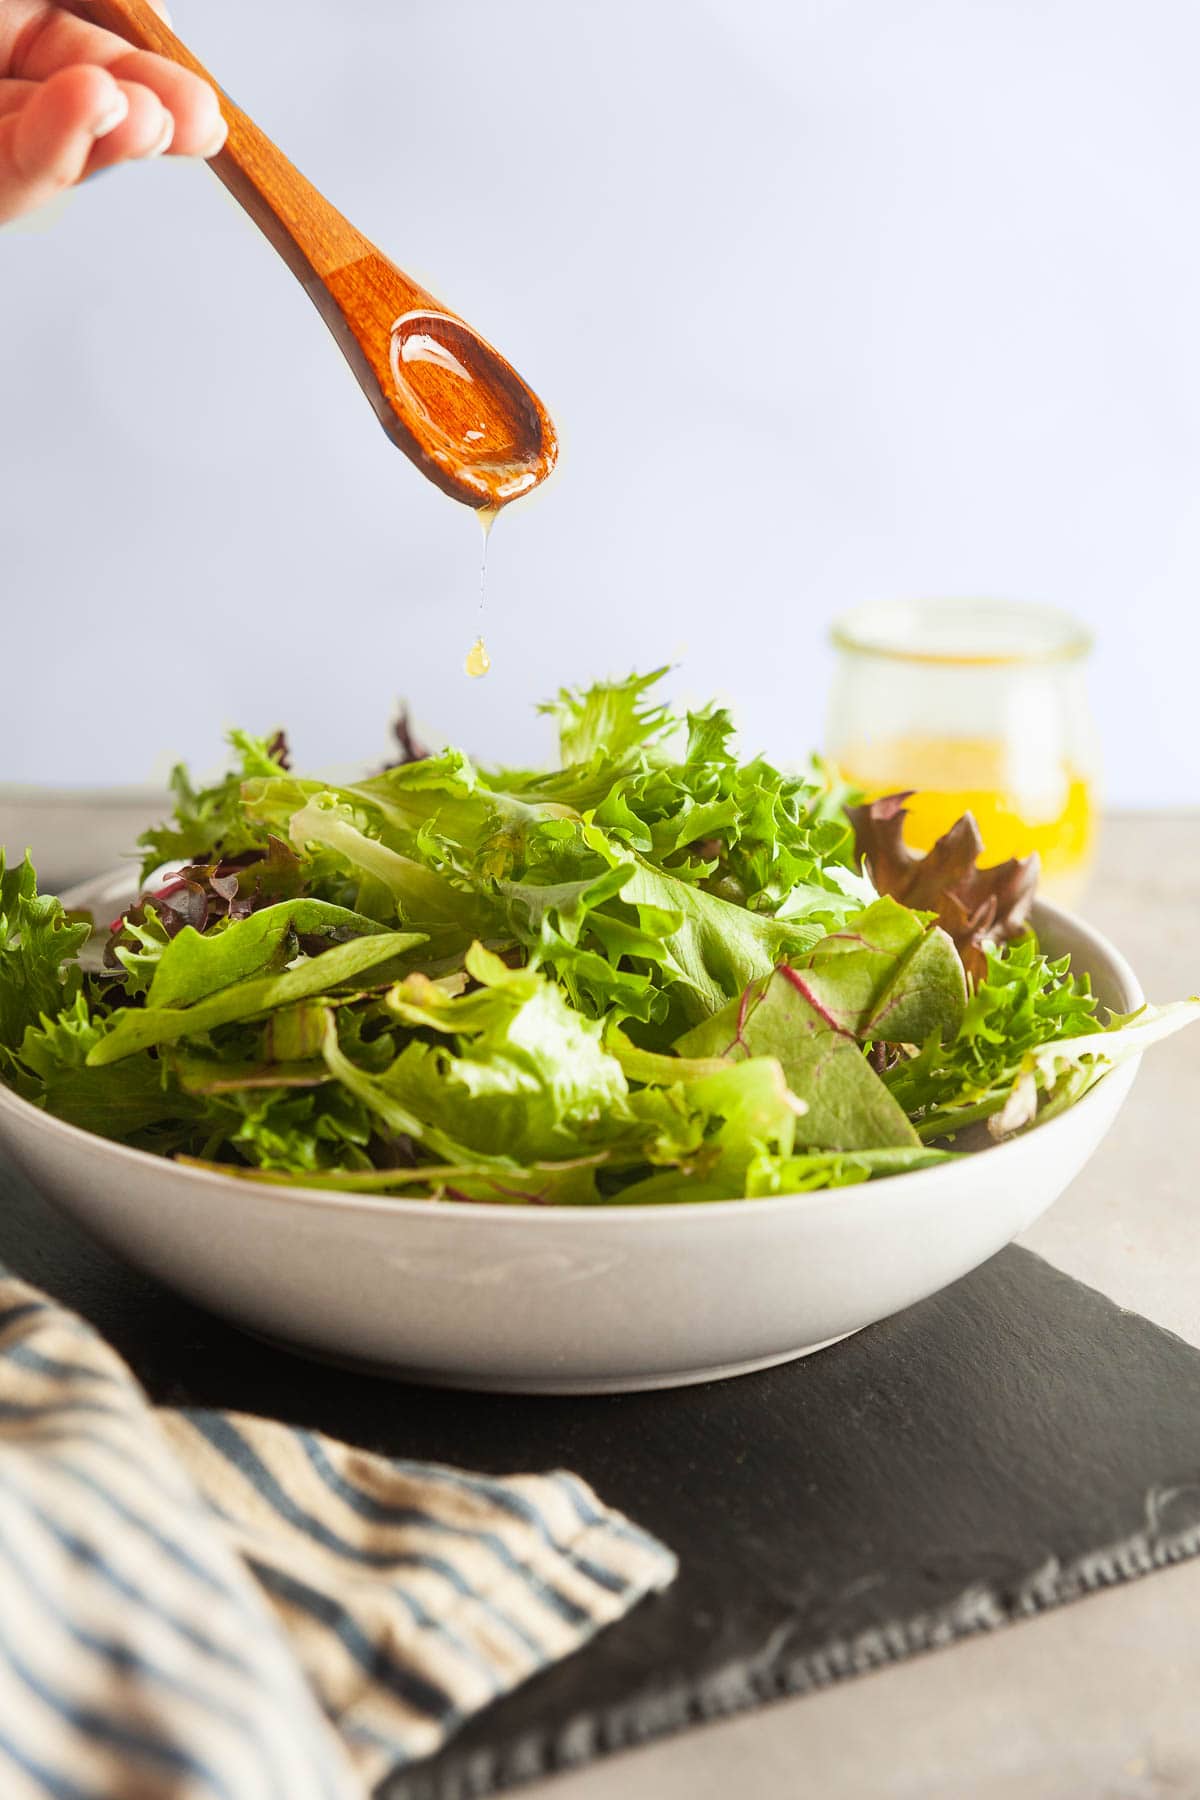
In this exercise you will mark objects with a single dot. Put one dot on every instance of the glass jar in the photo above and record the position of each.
(978, 705)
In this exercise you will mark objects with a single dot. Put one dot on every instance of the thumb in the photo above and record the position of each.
(46, 145)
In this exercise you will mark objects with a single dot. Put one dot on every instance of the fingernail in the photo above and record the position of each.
(112, 116)
(217, 141)
(162, 143)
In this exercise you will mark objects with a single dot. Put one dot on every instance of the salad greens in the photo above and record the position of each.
(657, 973)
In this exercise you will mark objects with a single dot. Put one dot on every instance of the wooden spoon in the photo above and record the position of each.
(443, 395)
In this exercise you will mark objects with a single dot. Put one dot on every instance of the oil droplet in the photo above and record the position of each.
(478, 661)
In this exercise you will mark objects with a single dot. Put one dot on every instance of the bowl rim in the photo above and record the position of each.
(335, 1200)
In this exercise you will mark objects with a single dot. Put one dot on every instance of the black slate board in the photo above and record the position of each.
(1012, 1443)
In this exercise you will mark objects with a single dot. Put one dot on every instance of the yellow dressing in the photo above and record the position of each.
(478, 661)
(1050, 810)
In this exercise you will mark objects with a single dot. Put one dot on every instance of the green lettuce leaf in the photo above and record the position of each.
(757, 1111)
(528, 1079)
(38, 945)
(544, 1184)
(192, 966)
(609, 721)
(131, 1031)
(450, 912)
(138, 947)
(1054, 1075)
(774, 843)
(624, 934)
(301, 1131)
(704, 948)
(1024, 1000)
(836, 1168)
(51, 1070)
(211, 818)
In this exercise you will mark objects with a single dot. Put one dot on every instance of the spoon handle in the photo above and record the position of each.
(309, 233)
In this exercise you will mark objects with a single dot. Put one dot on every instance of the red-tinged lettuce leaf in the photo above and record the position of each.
(846, 1105)
(975, 906)
(889, 975)
(279, 750)
(411, 749)
(202, 894)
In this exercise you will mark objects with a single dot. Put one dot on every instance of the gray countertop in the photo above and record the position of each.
(1098, 1700)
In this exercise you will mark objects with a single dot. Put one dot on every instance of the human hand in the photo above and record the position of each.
(75, 99)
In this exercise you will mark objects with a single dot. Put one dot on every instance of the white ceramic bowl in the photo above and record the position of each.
(565, 1300)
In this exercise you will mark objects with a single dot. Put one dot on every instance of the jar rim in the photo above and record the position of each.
(962, 633)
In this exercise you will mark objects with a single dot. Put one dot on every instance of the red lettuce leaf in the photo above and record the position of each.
(973, 905)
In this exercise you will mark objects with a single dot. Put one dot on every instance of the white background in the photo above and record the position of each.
(831, 301)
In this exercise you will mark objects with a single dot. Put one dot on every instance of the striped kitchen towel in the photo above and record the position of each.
(205, 1604)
